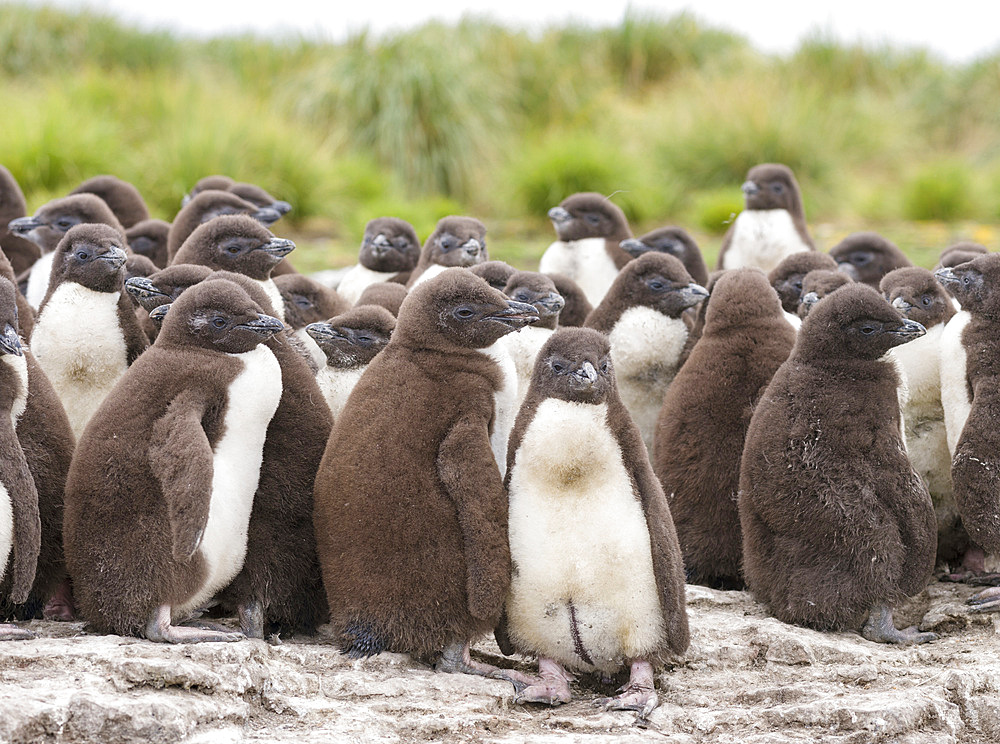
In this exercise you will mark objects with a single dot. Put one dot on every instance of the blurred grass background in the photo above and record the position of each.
(475, 118)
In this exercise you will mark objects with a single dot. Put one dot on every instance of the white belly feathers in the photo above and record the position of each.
(584, 261)
(762, 238)
(358, 279)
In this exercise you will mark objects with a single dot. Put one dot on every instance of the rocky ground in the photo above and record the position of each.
(746, 678)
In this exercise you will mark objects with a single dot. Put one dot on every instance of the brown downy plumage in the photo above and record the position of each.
(959, 253)
(162, 288)
(411, 513)
(149, 238)
(384, 294)
(307, 301)
(787, 276)
(144, 546)
(837, 527)
(25, 312)
(817, 284)
(455, 242)
(496, 273)
(703, 422)
(122, 197)
(673, 240)
(21, 253)
(577, 308)
(205, 206)
(207, 183)
(866, 257)
(389, 252)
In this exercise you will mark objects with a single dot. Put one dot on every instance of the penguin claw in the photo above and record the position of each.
(639, 698)
(987, 600)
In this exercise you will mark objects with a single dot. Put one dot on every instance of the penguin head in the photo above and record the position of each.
(236, 243)
(959, 253)
(540, 292)
(457, 309)
(496, 273)
(149, 238)
(456, 241)
(389, 244)
(389, 295)
(254, 194)
(355, 337)
(306, 300)
(10, 340)
(854, 322)
(772, 186)
(740, 297)
(52, 221)
(574, 365)
(672, 240)
(206, 206)
(917, 295)
(658, 281)
(973, 284)
(208, 183)
(166, 285)
(589, 215)
(787, 276)
(93, 256)
(218, 315)
(866, 257)
(122, 197)
(816, 285)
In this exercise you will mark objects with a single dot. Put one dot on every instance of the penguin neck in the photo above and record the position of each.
(18, 370)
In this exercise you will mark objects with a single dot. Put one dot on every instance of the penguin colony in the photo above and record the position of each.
(444, 447)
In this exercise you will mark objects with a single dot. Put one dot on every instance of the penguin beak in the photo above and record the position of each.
(10, 342)
(902, 305)
(266, 215)
(264, 325)
(910, 330)
(323, 332)
(552, 303)
(381, 245)
(278, 247)
(944, 276)
(559, 215)
(692, 294)
(115, 257)
(24, 225)
(749, 189)
(142, 290)
(584, 377)
(517, 315)
(848, 268)
(281, 207)
(634, 247)
(472, 249)
(157, 314)
(809, 299)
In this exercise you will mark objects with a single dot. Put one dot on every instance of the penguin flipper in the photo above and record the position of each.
(181, 459)
(136, 340)
(502, 635)
(14, 474)
(470, 475)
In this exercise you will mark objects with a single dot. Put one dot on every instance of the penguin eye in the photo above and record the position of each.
(967, 280)
(558, 367)
(926, 300)
(365, 340)
(657, 284)
(868, 329)
(83, 255)
(464, 313)
(860, 259)
(218, 322)
(301, 301)
(605, 366)
(591, 218)
(797, 285)
(232, 249)
(446, 244)
(522, 297)
(777, 188)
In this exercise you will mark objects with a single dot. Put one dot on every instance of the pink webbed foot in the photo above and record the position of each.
(456, 658)
(638, 695)
(552, 687)
(159, 629)
(61, 605)
(9, 632)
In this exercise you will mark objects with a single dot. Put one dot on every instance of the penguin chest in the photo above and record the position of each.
(954, 386)
(762, 238)
(583, 589)
(584, 261)
(251, 401)
(274, 295)
(429, 273)
(358, 279)
(19, 365)
(504, 400)
(38, 280)
(336, 385)
(524, 346)
(645, 349)
(6, 528)
(79, 343)
(793, 320)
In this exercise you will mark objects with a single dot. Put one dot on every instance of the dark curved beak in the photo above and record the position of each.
(281, 207)
(157, 314)
(472, 248)
(634, 247)
(278, 247)
(692, 294)
(749, 188)
(24, 225)
(584, 377)
(517, 315)
(142, 290)
(264, 325)
(552, 303)
(266, 215)
(114, 256)
(946, 277)
(558, 214)
(910, 330)
(902, 305)
(10, 342)
(381, 245)
(321, 331)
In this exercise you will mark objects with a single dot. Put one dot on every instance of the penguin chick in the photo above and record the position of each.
(21, 253)
(539, 291)
(817, 284)
(642, 317)
(496, 273)
(208, 183)
(208, 205)
(258, 196)
(866, 257)
(429, 564)
(772, 225)
(349, 342)
(149, 238)
(589, 231)
(837, 528)
(597, 578)
(456, 241)
(703, 422)
(307, 301)
(577, 307)
(86, 334)
(159, 494)
(390, 250)
(48, 227)
(787, 276)
(25, 312)
(678, 243)
(384, 294)
(959, 253)
(122, 197)
(240, 244)
(916, 294)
